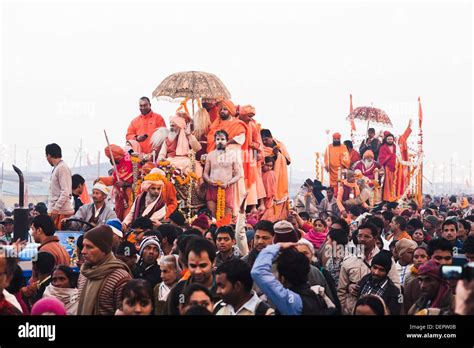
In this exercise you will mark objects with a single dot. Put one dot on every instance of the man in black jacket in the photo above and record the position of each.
(147, 267)
(378, 283)
(371, 143)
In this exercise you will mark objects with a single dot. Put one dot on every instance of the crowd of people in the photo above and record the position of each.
(247, 249)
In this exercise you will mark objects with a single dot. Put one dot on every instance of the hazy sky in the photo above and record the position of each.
(69, 70)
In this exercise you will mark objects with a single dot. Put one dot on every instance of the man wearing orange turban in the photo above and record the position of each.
(336, 158)
(121, 180)
(150, 203)
(253, 162)
(237, 143)
(175, 148)
(368, 166)
(235, 128)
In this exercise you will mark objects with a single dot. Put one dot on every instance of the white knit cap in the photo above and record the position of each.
(101, 187)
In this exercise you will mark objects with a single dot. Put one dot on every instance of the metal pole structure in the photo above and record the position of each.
(21, 198)
(20, 215)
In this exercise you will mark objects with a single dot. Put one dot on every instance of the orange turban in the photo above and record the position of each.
(229, 106)
(117, 152)
(336, 136)
(247, 110)
(182, 148)
(150, 180)
(368, 153)
(179, 121)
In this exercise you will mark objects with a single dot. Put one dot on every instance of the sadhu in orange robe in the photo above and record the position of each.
(388, 160)
(282, 160)
(121, 180)
(253, 158)
(237, 131)
(336, 157)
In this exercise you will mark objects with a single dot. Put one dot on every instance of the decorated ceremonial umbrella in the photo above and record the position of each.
(192, 85)
(370, 114)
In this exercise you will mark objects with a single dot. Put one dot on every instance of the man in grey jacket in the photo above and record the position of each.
(96, 213)
(60, 189)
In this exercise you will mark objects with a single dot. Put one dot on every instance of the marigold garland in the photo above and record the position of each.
(134, 159)
(187, 179)
(153, 177)
(138, 187)
(220, 209)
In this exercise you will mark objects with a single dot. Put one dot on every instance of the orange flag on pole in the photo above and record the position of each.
(420, 113)
(353, 126)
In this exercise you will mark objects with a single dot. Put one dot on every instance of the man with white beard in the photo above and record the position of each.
(368, 166)
(177, 144)
(158, 138)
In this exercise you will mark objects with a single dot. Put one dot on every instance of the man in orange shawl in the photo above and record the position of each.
(277, 150)
(336, 158)
(121, 180)
(150, 203)
(142, 127)
(169, 191)
(254, 183)
(237, 132)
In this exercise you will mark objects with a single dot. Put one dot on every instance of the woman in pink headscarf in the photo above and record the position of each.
(317, 235)
(177, 145)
